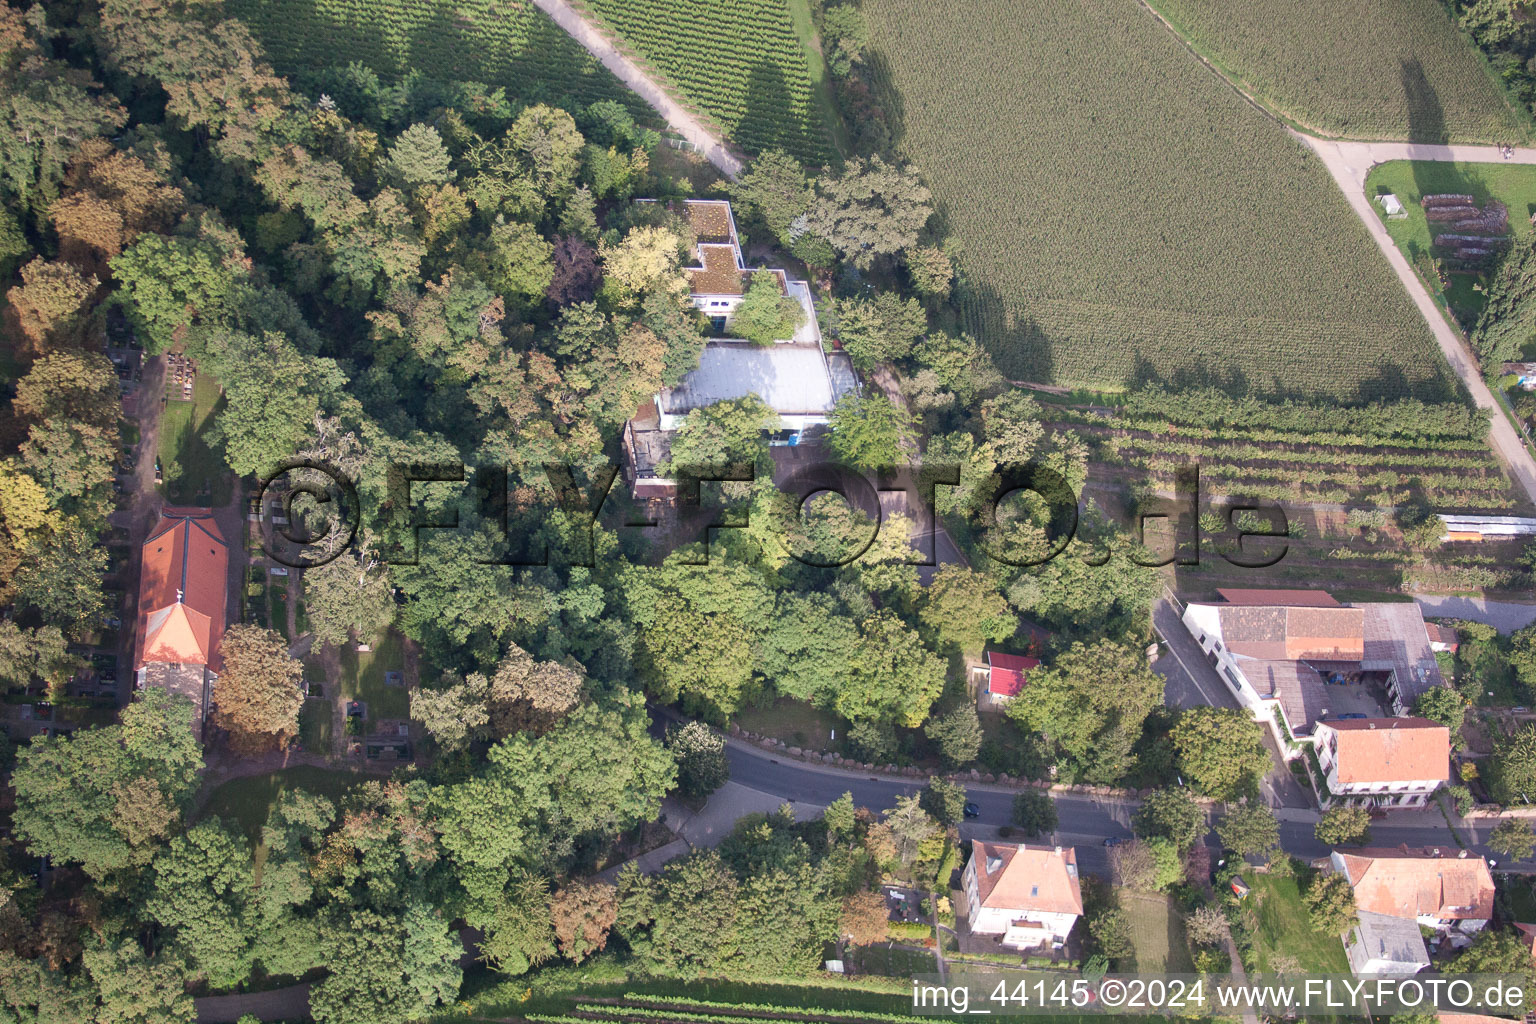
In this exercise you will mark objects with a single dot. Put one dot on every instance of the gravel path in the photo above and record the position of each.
(1505, 616)
(598, 44)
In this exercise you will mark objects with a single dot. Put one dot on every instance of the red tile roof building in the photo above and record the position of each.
(183, 606)
(1444, 893)
(1026, 895)
(1007, 673)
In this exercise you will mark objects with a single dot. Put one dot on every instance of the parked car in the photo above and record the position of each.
(1112, 842)
(971, 810)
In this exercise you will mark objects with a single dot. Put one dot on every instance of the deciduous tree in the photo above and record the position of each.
(871, 209)
(1249, 829)
(774, 189)
(349, 595)
(870, 431)
(1220, 752)
(1512, 767)
(582, 914)
(1330, 903)
(257, 698)
(1444, 705)
(964, 608)
(50, 308)
(1094, 725)
(71, 801)
(1172, 814)
(957, 734)
(891, 676)
(702, 767)
(418, 157)
(766, 314)
(944, 800)
(1344, 825)
(865, 919)
(1512, 838)
(1035, 813)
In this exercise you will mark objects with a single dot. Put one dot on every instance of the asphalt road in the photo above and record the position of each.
(1085, 821)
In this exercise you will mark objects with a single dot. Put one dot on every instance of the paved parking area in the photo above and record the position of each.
(1191, 681)
(1353, 698)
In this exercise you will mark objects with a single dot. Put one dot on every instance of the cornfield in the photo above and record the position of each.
(499, 44)
(1125, 216)
(1370, 69)
(739, 60)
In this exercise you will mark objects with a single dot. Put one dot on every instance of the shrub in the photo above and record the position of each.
(1034, 813)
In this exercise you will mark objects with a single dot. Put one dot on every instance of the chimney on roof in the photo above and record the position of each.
(1058, 851)
(178, 595)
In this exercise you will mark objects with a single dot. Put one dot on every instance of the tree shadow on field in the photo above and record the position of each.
(1389, 383)
(1426, 117)
(769, 121)
(893, 108)
(1232, 381)
(1022, 350)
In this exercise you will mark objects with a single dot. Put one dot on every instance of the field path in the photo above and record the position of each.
(598, 44)
(1355, 159)
(1348, 162)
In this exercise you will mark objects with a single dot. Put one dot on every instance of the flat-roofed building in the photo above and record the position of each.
(794, 376)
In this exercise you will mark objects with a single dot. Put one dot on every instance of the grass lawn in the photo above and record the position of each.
(315, 719)
(1285, 930)
(362, 678)
(1157, 931)
(248, 801)
(793, 721)
(1514, 185)
(821, 81)
(186, 460)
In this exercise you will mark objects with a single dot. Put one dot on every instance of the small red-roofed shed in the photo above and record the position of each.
(1007, 673)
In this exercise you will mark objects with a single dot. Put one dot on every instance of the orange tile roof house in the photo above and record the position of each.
(1452, 895)
(1383, 762)
(182, 611)
(1027, 895)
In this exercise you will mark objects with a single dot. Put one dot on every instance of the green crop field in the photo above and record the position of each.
(739, 60)
(1370, 69)
(1125, 216)
(500, 44)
